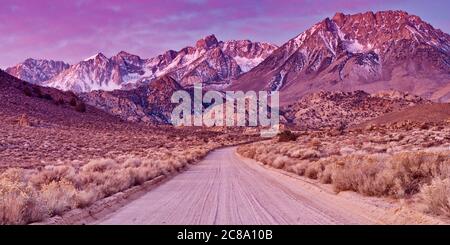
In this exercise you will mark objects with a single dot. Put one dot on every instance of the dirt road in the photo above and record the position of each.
(227, 189)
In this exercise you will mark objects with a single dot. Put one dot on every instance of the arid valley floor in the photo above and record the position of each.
(57, 159)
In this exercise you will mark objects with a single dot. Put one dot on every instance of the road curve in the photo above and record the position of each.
(227, 189)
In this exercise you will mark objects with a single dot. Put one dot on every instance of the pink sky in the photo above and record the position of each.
(71, 30)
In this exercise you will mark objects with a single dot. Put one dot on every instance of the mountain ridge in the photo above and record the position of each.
(210, 61)
(367, 51)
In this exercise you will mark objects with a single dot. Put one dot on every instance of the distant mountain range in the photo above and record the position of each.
(370, 52)
(210, 61)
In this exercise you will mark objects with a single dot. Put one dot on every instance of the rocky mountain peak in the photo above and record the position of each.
(37, 70)
(124, 54)
(373, 51)
(207, 42)
(97, 57)
(125, 58)
(338, 17)
(165, 82)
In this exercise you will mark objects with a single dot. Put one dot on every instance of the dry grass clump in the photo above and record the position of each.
(99, 165)
(436, 196)
(299, 167)
(19, 202)
(315, 144)
(280, 162)
(24, 121)
(29, 195)
(368, 175)
(287, 136)
(401, 174)
(80, 107)
(58, 197)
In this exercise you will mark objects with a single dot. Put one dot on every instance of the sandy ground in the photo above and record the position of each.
(227, 189)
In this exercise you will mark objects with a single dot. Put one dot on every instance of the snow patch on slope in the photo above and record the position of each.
(327, 42)
(354, 46)
(92, 57)
(247, 64)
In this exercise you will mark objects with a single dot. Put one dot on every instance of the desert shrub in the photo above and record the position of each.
(165, 167)
(287, 136)
(52, 173)
(314, 169)
(59, 101)
(73, 101)
(85, 179)
(132, 162)
(368, 175)
(47, 97)
(99, 165)
(249, 152)
(299, 168)
(436, 196)
(413, 169)
(280, 161)
(140, 175)
(346, 150)
(86, 197)
(19, 202)
(116, 181)
(267, 158)
(37, 92)
(283, 148)
(315, 144)
(80, 107)
(400, 175)
(59, 196)
(27, 91)
(242, 150)
(295, 153)
(24, 121)
(331, 166)
(310, 154)
(179, 164)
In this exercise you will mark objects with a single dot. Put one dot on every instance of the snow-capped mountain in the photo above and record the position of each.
(247, 54)
(99, 73)
(206, 63)
(368, 51)
(37, 71)
(210, 61)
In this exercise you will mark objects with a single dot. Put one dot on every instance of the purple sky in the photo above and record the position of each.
(72, 30)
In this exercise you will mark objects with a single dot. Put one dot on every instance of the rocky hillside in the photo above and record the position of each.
(420, 114)
(25, 104)
(149, 103)
(338, 110)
